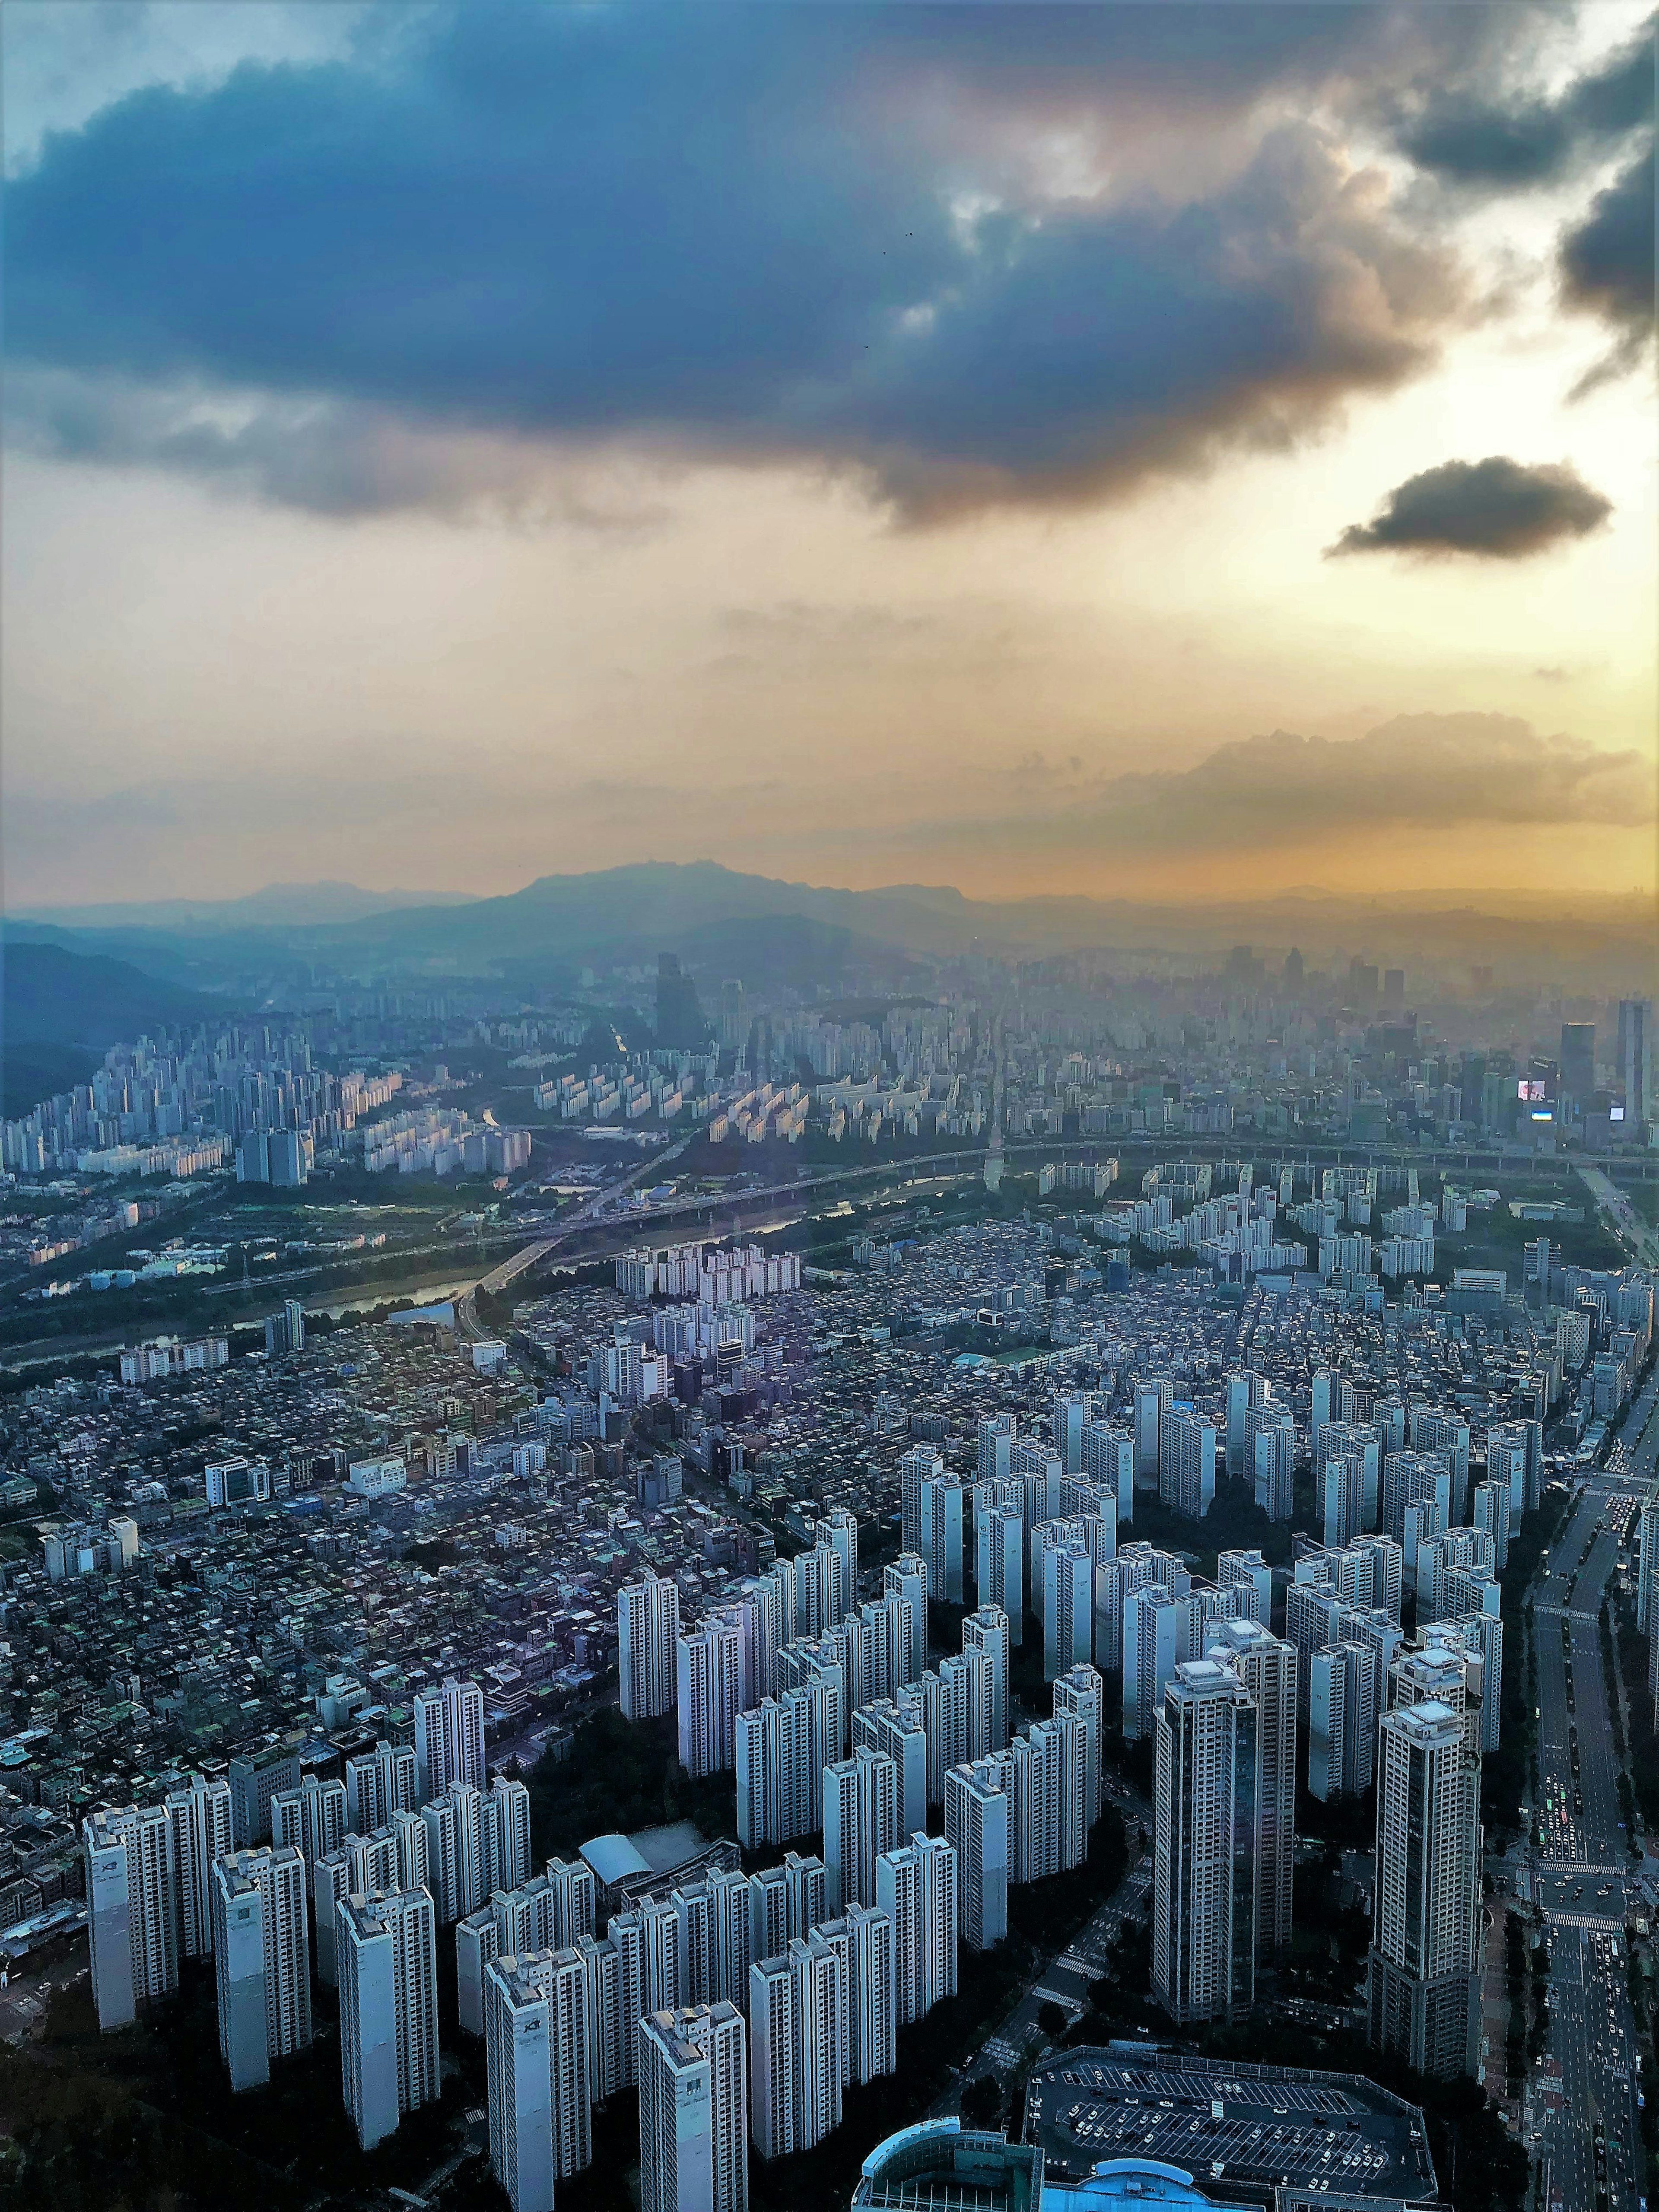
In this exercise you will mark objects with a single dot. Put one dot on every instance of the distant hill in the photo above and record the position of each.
(278, 906)
(724, 922)
(61, 1011)
(708, 913)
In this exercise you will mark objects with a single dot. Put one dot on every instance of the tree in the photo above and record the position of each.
(982, 2102)
(1051, 2019)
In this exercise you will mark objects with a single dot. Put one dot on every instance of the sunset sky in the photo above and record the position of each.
(1149, 449)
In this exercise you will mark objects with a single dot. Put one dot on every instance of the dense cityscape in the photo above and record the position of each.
(1064, 1570)
(828, 1159)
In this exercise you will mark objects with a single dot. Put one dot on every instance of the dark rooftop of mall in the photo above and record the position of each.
(1253, 2129)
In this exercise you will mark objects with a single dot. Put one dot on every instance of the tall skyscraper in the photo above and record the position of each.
(860, 1821)
(1579, 1063)
(387, 1956)
(1204, 1858)
(939, 1540)
(1068, 1622)
(647, 1638)
(710, 1670)
(1274, 1469)
(1109, 1461)
(900, 1734)
(995, 1446)
(200, 1817)
(1246, 1582)
(1186, 1461)
(839, 1529)
(311, 1818)
(379, 1784)
(797, 2037)
(1246, 1390)
(871, 2018)
(1000, 1561)
(537, 2055)
(1152, 1400)
(449, 1738)
(1635, 1048)
(1344, 1487)
(1081, 1694)
(694, 2111)
(1425, 1928)
(916, 1887)
(907, 1578)
(133, 1909)
(261, 1960)
(1267, 1667)
(977, 1828)
(916, 1466)
(989, 1632)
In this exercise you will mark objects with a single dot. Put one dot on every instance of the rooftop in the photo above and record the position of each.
(1246, 2129)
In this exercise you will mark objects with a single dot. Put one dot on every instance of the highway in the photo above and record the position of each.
(1638, 1236)
(1576, 1874)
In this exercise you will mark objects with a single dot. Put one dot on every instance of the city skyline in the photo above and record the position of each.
(1091, 407)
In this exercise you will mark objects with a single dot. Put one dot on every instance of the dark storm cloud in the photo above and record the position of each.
(1468, 139)
(1607, 261)
(1496, 509)
(396, 280)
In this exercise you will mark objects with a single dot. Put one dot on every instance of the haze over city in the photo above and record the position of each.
(866, 445)
(828, 1148)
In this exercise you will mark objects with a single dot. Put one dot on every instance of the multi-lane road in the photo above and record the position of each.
(1576, 1874)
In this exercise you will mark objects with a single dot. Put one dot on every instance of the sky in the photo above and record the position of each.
(1152, 450)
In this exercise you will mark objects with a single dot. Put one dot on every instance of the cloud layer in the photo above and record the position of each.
(1479, 772)
(1473, 139)
(1496, 509)
(943, 247)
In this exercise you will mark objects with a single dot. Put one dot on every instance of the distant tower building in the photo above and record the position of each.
(449, 1738)
(680, 1023)
(261, 1960)
(1579, 1063)
(1205, 1876)
(1068, 1608)
(648, 1638)
(132, 1910)
(694, 2111)
(1425, 1928)
(1635, 1047)
(386, 1955)
(537, 2054)
(1246, 1582)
